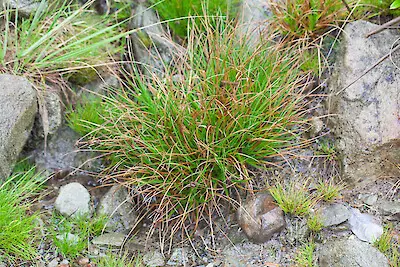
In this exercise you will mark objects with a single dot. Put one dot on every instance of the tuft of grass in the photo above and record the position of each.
(311, 18)
(305, 256)
(82, 229)
(17, 227)
(328, 190)
(389, 245)
(182, 14)
(88, 111)
(185, 144)
(294, 198)
(327, 149)
(112, 260)
(66, 40)
(314, 223)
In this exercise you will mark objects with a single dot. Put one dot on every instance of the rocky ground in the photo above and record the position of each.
(362, 122)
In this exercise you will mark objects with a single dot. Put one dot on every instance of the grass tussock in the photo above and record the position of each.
(184, 144)
(389, 245)
(18, 231)
(305, 256)
(65, 39)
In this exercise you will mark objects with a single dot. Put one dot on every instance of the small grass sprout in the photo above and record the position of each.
(294, 198)
(305, 256)
(113, 260)
(185, 145)
(329, 190)
(314, 222)
(311, 18)
(17, 227)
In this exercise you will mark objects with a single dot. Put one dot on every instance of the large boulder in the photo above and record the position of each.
(18, 107)
(349, 252)
(152, 47)
(366, 121)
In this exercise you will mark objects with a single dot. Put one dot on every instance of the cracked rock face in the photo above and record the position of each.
(367, 113)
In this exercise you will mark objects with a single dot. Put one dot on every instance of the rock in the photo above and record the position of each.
(118, 206)
(349, 252)
(260, 218)
(179, 257)
(367, 125)
(73, 199)
(389, 207)
(26, 8)
(368, 199)
(152, 47)
(53, 263)
(153, 259)
(18, 107)
(109, 239)
(84, 261)
(317, 125)
(52, 119)
(253, 20)
(334, 214)
(70, 238)
(365, 226)
(62, 155)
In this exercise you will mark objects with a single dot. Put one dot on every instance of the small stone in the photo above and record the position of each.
(368, 199)
(334, 214)
(117, 205)
(260, 218)
(53, 263)
(70, 238)
(153, 259)
(179, 257)
(317, 125)
(389, 207)
(110, 239)
(349, 252)
(365, 226)
(73, 200)
(83, 261)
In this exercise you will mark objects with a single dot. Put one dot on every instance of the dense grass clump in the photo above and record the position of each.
(176, 12)
(183, 142)
(17, 227)
(311, 18)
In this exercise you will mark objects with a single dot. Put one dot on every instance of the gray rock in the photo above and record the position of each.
(152, 47)
(18, 107)
(73, 200)
(62, 155)
(349, 252)
(317, 125)
(260, 218)
(179, 257)
(153, 259)
(109, 239)
(365, 226)
(368, 199)
(367, 125)
(25, 7)
(53, 263)
(52, 114)
(253, 20)
(119, 208)
(334, 214)
(70, 238)
(387, 207)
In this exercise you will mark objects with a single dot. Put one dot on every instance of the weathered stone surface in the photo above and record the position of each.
(119, 208)
(18, 107)
(25, 7)
(349, 252)
(62, 155)
(110, 239)
(73, 200)
(334, 214)
(253, 20)
(387, 207)
(152, 47)
(153, 259)
(367, 125)
(368, 199)
(179, 257)
(260, 218)
(365, 226)
(51, 118)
